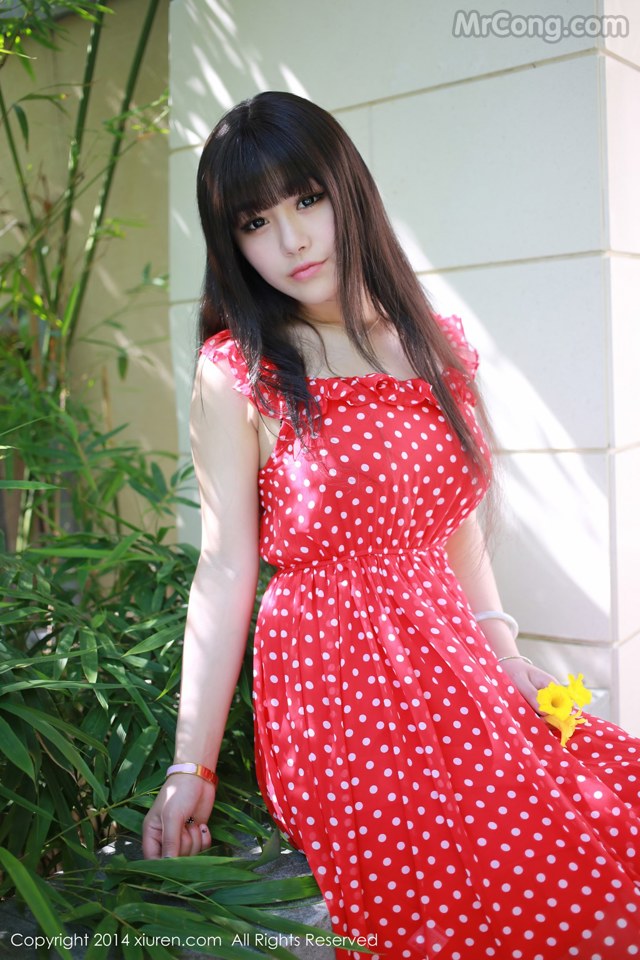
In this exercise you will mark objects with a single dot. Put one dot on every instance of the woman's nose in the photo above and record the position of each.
(293, 236)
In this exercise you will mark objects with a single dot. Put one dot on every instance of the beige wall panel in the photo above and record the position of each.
(627, 701)
(623, 151)
(341, 53)
(540, 331)
(625, 349)
(187, 253)
(492, 157)
(144, 399)
(552, 554)
(500, 169)
(627, 47)
(625, 484)
(183, 318)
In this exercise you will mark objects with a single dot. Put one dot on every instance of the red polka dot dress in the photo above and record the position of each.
(439, 814)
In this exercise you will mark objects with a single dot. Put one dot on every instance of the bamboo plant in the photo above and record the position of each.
(92, 606)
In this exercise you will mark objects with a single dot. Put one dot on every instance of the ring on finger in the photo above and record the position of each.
(189, 822)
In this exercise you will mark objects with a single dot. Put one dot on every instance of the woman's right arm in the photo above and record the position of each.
(226, 456)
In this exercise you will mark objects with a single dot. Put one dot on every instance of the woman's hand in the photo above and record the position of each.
(528, 679)
(165, 832)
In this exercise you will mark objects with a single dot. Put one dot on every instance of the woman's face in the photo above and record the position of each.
(292, 247)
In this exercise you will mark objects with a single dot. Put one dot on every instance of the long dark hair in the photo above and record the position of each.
(276, 145)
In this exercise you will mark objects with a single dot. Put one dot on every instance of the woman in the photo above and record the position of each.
(338, 431)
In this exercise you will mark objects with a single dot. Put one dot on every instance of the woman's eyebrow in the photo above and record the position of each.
(247, 211)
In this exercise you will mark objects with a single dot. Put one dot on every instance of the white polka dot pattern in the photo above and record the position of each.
(439, 814)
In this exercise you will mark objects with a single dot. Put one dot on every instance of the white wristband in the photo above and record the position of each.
(511, 622)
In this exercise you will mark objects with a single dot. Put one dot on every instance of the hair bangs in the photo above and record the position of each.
(259, 175)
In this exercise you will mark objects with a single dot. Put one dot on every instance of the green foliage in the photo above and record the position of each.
(92, 605)
(90, 644)
(42, 288)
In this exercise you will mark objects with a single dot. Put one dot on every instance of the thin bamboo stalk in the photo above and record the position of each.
(101, 206)
(75, 149)
(42, 267)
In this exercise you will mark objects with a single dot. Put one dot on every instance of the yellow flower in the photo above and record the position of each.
(566, 726)
(555, 701)
(577, 690)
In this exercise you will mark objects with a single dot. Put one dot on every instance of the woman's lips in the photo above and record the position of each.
(306, 270)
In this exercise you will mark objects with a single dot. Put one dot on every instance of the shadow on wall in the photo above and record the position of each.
(461, 167)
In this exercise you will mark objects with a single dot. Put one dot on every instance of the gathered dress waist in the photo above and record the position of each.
(432, 552)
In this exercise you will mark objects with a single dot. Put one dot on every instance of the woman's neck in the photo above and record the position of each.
(329, 315)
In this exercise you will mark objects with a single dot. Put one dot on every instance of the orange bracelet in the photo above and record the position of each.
(197, 769)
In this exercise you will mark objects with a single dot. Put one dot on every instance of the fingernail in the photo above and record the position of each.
(203, 828)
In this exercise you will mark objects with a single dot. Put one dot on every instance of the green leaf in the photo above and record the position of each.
(69, 311)
(121, 550)
(271, 851)
(269, 891)
(158, 639)
(89, 654)
(24, 125)
(35, 842)
(15, 750)
(127, 818)
(102, 939)
(32, 890)
(133, 762)
(45, 727)
(27, 485)
(123, 365)
(20, 801)
(132, 950)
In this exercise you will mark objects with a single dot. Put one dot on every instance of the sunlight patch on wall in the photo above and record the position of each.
(546, 476)
(294, 84)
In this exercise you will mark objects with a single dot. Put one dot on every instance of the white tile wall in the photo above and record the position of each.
(625, 488)
(626, 47)
(488, 151)
(186, 245)
(338, 53)
(201, 54)
(625, 349)
(623, 150)
(552, 554)
(627, 701)
(183, 325)
(540, 331)
(357, 123)
(499, 169)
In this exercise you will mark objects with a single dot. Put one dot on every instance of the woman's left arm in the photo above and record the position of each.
(469, 560)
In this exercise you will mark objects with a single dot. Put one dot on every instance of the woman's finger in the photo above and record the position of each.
(206, 836)
(152, 838)
(193, 829)
(173, 831)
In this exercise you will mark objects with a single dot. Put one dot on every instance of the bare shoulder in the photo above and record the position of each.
(215, 392)
(224, 442)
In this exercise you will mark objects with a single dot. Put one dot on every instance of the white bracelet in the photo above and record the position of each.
(515, 656)
(511, 622)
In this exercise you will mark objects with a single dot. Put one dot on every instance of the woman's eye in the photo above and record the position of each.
(251, 225)
(310, 200)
